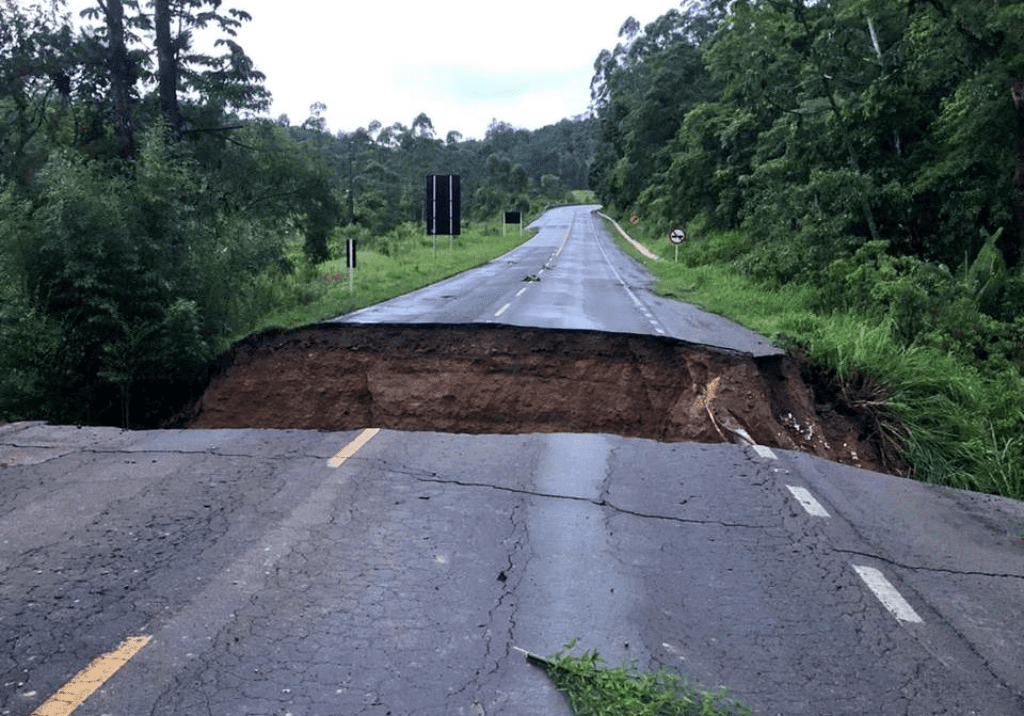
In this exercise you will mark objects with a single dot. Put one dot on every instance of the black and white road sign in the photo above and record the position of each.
(677, 236)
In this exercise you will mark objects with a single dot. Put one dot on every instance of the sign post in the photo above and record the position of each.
(443, 206)
(512, 217)
(677, 237)
(350, 260)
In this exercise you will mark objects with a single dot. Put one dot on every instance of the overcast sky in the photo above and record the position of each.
(463, 62)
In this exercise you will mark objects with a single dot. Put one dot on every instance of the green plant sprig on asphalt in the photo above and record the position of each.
(594, 689)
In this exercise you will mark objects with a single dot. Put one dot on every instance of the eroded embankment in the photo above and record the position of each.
(502, 379)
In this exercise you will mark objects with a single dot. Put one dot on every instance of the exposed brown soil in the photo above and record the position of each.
(487, 378)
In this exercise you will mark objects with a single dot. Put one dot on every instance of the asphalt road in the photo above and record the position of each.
(275, 573)
(570, 275)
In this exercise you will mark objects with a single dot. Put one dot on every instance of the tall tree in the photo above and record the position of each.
(641, 91)
(122, 77)
(1018, 204)
(36, 84)
(167, 65)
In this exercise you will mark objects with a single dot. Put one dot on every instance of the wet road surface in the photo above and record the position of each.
(570, 275)
(300, 573)
(272, 582)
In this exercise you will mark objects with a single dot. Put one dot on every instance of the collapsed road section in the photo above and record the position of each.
(490, 378)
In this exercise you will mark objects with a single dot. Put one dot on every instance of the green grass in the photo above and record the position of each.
(594, 689)
(710, 285)
(581, 196)
(944, 420)
(387, 266)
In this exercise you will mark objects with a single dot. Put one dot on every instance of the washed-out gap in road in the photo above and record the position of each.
(488, 378)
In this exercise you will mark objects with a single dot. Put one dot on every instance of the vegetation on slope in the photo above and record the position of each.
(939, 415)
(851, 175)
(146, 221)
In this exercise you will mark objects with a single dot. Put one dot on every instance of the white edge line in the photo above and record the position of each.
(765, 452)
(887, 594)
(762, 450)
(807, 501)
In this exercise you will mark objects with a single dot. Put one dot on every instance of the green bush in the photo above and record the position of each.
(132, 274)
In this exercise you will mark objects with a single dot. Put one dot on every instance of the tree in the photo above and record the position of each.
(641, 91)
(212, 84)
(167, 65)
(121, 73)
(35, 85)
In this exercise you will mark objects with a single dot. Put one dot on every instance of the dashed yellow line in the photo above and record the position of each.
(353, 447)
(87, 681)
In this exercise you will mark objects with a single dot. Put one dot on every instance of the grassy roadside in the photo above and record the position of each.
(387, 266)
(948, 420)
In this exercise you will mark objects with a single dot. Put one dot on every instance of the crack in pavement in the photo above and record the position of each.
(66, 450)
(510, 578)
(600, 502)
(921, 568)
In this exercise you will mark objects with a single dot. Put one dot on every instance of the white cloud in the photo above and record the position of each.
(464, 63)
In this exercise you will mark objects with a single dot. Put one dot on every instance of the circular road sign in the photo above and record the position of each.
(677, 236)
(634, 219)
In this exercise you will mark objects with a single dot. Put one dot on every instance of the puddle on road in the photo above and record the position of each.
(488, 378)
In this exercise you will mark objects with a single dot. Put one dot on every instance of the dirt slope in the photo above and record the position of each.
(487, 378)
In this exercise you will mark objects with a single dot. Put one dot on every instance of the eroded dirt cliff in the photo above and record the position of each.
(488, 378)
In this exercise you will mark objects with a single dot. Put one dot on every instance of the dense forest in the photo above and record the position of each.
(865, 159)
(145, 196)
(820, 126)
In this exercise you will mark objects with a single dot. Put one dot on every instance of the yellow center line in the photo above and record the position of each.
(87, 681)
(353, 447)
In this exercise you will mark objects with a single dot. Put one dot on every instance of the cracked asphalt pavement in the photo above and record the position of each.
(398, 583)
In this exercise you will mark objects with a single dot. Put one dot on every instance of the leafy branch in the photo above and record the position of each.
(594, 689)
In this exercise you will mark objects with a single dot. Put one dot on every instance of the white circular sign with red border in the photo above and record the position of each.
(677, 236)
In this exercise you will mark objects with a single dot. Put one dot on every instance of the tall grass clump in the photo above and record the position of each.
(956, 424)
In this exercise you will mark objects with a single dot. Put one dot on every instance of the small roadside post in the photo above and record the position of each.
(350, 260)
(677, 237)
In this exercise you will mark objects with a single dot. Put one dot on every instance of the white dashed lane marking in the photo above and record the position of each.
(762, 450)
(655, 324)
(807, 501)
(881, 587)
(887, 594)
